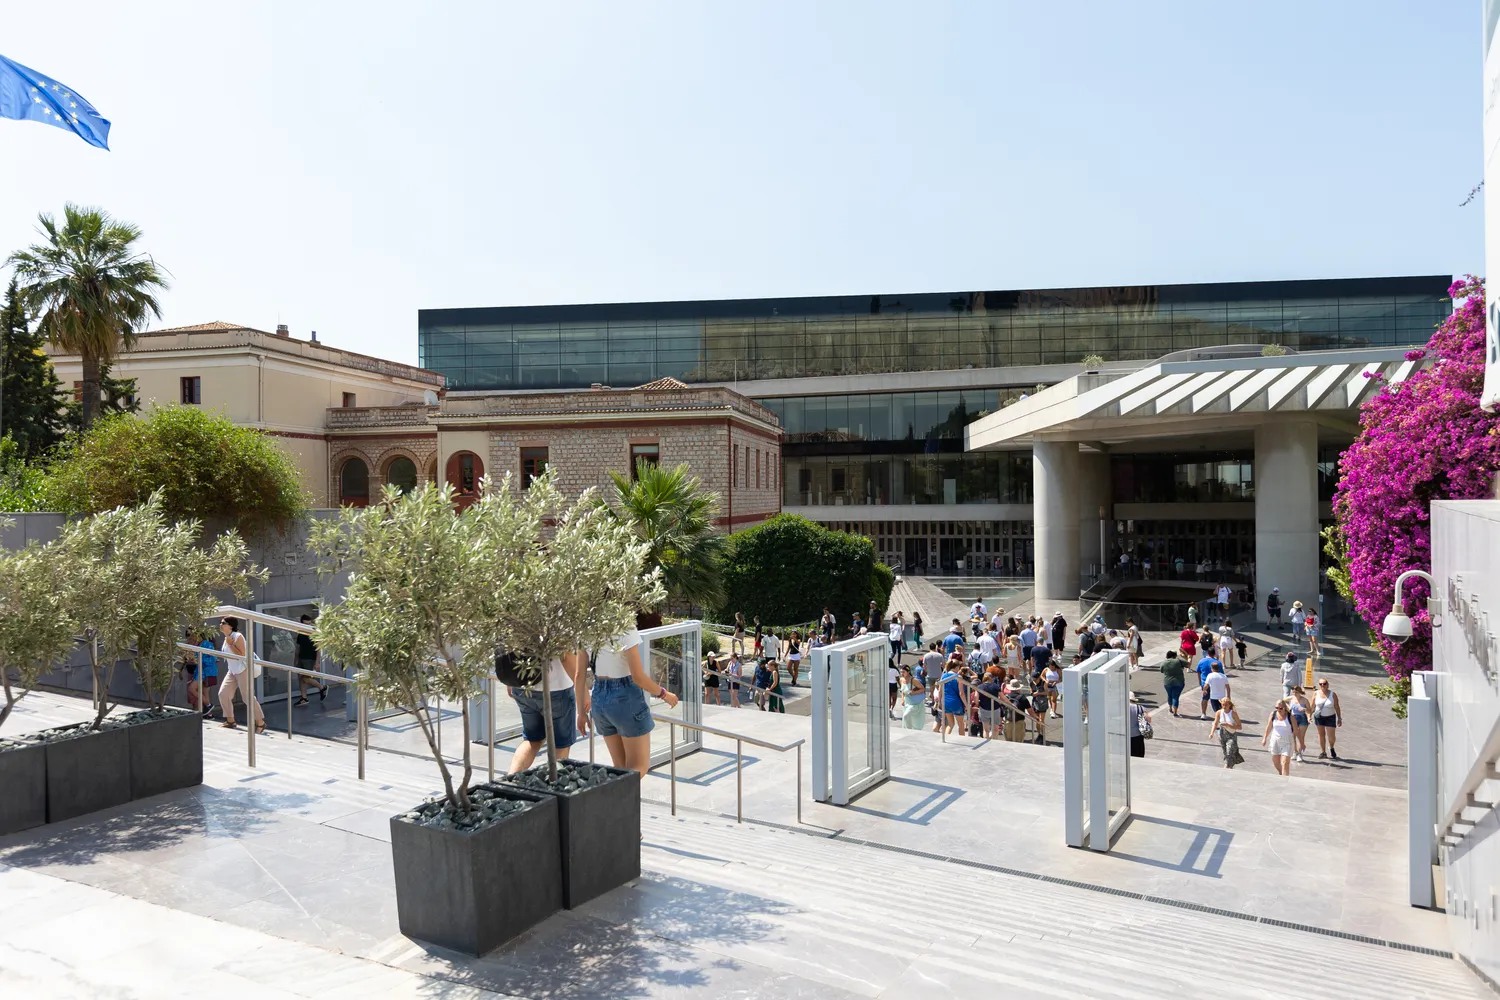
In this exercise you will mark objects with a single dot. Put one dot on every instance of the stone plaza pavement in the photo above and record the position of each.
(949, 880)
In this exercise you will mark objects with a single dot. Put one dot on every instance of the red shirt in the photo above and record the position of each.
(1189, 644)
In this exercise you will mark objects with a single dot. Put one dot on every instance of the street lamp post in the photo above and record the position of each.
(1103, 559)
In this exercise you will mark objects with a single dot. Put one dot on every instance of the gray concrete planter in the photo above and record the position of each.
(166, 751)
(599, 828)
(23, 776)
(86, 772)
(472, 891)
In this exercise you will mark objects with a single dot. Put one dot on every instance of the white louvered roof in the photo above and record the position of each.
(1222, 393)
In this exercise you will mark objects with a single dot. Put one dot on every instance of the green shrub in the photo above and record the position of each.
(205, 467)
(787, 569)
(883, 582)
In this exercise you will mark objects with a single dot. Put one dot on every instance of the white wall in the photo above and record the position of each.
(1466, 563)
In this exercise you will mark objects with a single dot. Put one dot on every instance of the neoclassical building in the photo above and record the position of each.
(354, 423)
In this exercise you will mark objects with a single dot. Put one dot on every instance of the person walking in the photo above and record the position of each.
(770, 645)
(794, 655)
(307, 659)
(1288, 674)
(991, 695)
(198, 697)
(1059, 628)
(564, 676)
(1310, 626)
(1205, 667)
(759, 635)
(1226, 727)
(1140, 725)
(1187, 640)
(828, 625)
(1227, 647)
(1328, 716)
(950, 687)
(711, 680)
(1217, 686)
(1301, 713)
(893, 686)
(1297, 617)
(913, 700)
(736, 671)
(618, 706)
(239, 679)
(776, 703)
(1281, 738)
(896, 633)
(762, 683)
(1173, 681)
(1273, 608)
(916, 630)
(737, 641)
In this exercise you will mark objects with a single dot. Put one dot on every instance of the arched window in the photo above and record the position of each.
(402, 474)
(354, 483)
(464, 472)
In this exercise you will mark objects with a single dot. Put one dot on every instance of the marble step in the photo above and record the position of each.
(1094, 924)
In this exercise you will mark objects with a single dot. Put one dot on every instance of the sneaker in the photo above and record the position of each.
(1322, 756)
(1298, 758)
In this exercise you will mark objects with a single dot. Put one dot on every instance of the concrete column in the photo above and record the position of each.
(1093, 493)
(1054, 483)
(1286, 511)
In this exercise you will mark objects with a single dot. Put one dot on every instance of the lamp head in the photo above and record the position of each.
(1397, 625)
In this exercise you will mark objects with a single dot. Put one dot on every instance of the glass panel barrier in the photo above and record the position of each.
(674, 660)
(1107, 703)
(851, 731)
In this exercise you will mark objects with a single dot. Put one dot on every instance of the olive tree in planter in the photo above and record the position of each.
(133, 581)
(36, 631)
(579, 587)
(418, 618)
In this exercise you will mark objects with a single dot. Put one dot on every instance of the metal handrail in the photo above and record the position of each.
(740, 739)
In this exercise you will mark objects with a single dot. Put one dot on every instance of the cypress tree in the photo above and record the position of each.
(31, 407)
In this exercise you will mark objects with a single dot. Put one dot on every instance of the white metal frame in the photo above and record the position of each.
(690, 698)
(832, 781)
(1103, 826)
(1075, 758)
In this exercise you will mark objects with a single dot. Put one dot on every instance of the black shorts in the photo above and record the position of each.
(1327, 721)
(1215, 704)
(894, 686)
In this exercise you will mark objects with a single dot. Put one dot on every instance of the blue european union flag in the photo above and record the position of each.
(28, 95)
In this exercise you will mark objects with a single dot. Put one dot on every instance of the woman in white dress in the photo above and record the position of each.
(1281, 738)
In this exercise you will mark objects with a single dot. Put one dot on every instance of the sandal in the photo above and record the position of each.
(231, 724)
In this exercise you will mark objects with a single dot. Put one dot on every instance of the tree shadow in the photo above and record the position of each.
(147, 825)
(655, 936)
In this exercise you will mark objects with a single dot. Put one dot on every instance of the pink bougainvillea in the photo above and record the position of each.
(1420, 440)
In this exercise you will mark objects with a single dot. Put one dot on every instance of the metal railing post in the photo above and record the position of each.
(361, 735)
(799, 784)
(200, 681)
(672, 751)
(489, 718)
(739, 781)
(289, 675)
(249, 691)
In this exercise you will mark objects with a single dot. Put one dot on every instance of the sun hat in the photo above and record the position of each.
(1014, 685)
(1296, 605)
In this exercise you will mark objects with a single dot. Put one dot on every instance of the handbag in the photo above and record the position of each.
(1144, 726)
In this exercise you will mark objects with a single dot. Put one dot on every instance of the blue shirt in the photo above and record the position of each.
(1041, 656)
(951, 641)
(1028, 636)
(1205, 667)
(210, 663)
(953, 696)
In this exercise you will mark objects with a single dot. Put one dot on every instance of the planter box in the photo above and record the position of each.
(599, 828)
(87, 773)
(472, 892)
(166, 753)
(23, 776)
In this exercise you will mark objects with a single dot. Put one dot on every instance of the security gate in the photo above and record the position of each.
(851, 736)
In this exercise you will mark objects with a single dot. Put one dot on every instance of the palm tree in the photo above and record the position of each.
(674, 514)
(91, 287)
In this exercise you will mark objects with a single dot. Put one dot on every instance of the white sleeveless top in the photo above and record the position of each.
(610, 661)
(235, 666)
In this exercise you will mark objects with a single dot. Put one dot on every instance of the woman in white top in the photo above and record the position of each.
(1281, 738)
(794, 656)
(569, 710)
(1328, 716)
(620, 711)
(1133, 643)
(1227, 727)
(1226, 646)
(238, 677)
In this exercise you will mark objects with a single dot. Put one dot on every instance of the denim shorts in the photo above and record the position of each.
(620, 708)
(534, 727)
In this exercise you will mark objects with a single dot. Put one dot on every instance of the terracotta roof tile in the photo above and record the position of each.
(664, 383)
(212, 325)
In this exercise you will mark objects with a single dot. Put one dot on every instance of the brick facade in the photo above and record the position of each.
(587, 435)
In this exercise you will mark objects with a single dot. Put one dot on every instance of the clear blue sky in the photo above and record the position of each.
(337, 166)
